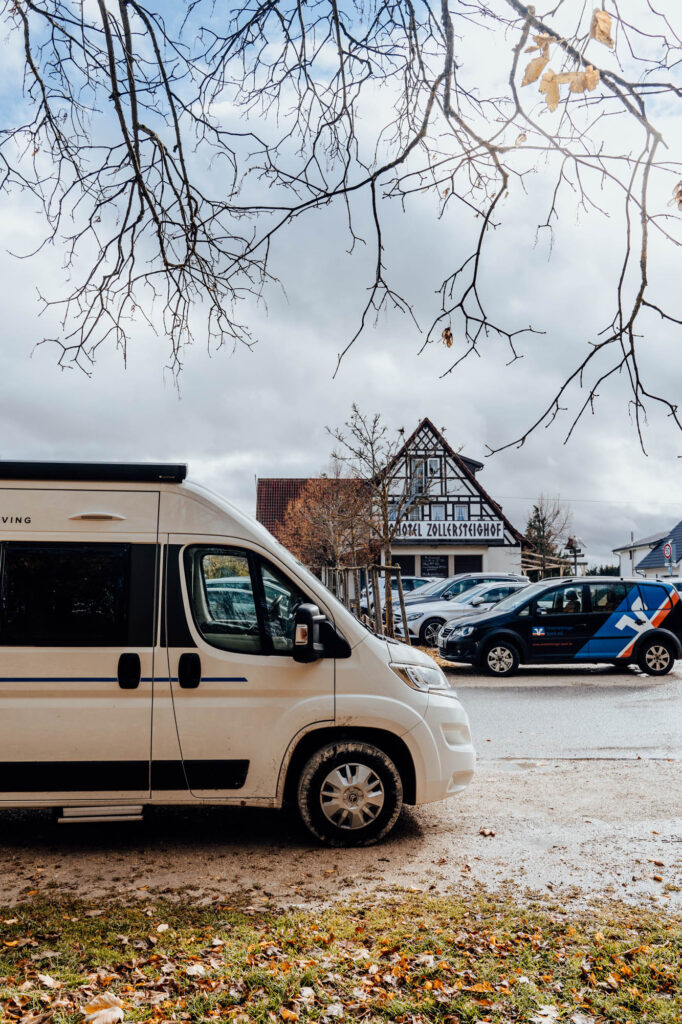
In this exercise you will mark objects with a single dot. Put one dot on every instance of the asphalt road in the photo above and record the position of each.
(568, 713)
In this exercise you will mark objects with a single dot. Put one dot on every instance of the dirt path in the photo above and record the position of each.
(576, 829)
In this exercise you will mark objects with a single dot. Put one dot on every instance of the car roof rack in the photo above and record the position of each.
(100, 472)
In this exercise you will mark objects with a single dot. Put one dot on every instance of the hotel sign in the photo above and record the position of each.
(451, 529)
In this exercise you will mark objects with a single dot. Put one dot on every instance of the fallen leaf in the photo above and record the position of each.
(546, 1014)
(162, 928)
(287, 1014)
(47, 981)
(334, 1010)
(600, 29)
(485, 831)
(195, 971)
(105, 1008)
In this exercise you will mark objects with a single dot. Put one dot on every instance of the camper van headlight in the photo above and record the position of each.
(422, 677)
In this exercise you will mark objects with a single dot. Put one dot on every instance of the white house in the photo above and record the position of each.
(455, 525)
(634, 551)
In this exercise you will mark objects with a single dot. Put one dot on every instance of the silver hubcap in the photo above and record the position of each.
(500, 659)
(352, 796)
(657, 657)
(431, 634)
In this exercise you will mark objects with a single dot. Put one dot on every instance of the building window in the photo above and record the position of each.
(434, 467)
(415, 514)
(461, 513)
(418, 477)
(438, 513)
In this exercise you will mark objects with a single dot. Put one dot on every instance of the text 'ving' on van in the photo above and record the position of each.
(157, 646)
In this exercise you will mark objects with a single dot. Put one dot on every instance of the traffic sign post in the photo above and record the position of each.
(669, 554)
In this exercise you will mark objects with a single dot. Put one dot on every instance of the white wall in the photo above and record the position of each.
(502, 559)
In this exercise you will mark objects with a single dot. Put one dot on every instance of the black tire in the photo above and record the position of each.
(338, 772)
(656, 656)
(424, 633)
(500, 658)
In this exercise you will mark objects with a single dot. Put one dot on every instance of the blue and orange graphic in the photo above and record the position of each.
(646, 607)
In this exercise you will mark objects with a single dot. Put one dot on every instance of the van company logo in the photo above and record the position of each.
(538, 630)
(23, 520)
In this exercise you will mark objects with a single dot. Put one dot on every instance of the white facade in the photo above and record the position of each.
(631, 554)
(449, 524)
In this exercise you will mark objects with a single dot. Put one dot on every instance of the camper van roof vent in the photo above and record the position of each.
(102, 472)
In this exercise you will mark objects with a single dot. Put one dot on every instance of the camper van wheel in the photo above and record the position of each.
(350, 794)
(656, 657)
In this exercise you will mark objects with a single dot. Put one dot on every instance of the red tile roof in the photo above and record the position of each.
(273, 495)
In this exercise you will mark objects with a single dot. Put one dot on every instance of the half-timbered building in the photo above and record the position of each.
(451, 523)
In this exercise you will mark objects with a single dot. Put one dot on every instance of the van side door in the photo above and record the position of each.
(239, 698)
(558, 623)
(77, 637)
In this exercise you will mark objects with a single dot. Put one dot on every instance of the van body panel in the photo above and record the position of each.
(67, 728)
(246, 707)
(58, 510)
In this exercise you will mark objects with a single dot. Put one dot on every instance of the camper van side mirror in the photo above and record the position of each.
(307, 644)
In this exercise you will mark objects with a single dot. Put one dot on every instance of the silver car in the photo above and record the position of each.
(424, 621)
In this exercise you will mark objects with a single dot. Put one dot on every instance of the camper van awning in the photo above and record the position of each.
(101, 472)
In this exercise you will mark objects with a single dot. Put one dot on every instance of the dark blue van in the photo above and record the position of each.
(583, 619)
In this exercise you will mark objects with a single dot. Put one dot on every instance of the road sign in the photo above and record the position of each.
(668, 551)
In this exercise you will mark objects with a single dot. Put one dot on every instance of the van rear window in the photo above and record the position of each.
(654, 597)
(56, 595)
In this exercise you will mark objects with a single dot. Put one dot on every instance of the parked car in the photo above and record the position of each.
(582, 619)
(137, 605)
(453, 586)
(424, 621)
(410, 584)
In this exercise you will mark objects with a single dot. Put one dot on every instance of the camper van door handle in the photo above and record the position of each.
(189, 671)
(129, 671)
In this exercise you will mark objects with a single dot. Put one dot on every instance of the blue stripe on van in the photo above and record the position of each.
(113, 679)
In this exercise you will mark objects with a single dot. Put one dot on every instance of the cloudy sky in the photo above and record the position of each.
(237, 415)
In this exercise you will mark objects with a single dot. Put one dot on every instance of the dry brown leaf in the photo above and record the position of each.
(535, 69)
(47, 981)
(520, 139)
(600, 29)
(162, 928)
(549, 87)
(105, 1008)
(447, 337)
(288, 1014)
(591, 77)
(542, 44)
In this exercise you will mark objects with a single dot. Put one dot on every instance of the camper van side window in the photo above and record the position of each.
(56, 595)
(222, 597)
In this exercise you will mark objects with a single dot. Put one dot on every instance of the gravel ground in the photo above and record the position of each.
(581, 830)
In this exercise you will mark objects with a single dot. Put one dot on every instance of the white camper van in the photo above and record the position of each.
(157, 646)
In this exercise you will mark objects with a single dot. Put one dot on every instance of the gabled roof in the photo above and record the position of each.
(273, 495)
(654, 559)
(463, 464)
(643, 542)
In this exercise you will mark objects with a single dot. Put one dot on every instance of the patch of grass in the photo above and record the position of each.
(407, 960)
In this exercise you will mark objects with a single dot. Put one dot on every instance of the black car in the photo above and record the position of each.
(583, 619)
